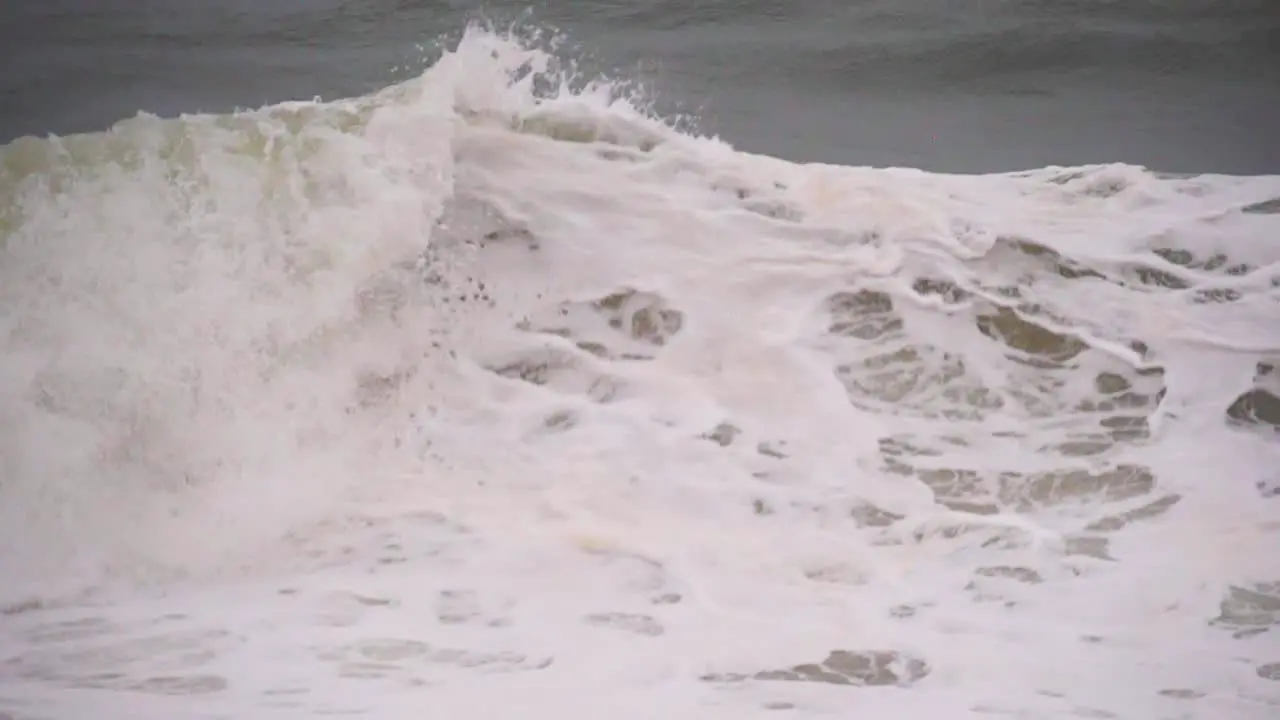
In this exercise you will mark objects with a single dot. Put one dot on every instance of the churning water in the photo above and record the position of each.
(491, 395)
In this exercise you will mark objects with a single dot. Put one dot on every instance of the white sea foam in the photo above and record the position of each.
(469, 400)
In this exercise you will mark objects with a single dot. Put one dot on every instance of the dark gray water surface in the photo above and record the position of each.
(973, 86)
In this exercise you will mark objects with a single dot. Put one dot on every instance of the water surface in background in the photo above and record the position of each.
(1178, 85)
(489, 390)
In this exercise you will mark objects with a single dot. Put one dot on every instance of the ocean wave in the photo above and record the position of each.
(499, 338)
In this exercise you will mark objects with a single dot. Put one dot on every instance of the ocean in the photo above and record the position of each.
(651, 359)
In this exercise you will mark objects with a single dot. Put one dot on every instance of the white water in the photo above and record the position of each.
(454, 401)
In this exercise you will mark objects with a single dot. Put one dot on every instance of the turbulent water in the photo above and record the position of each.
(492, 394)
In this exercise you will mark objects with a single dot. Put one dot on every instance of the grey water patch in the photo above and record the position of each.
(1269, 488)
(392, 650)
(179, 685)
(627, 324)
(1181, 693)
(405, 658)
(634, 623)
(82, 628)
(562, 370)
(1123, 482)
(843, 667)
(1098, 548)
(468, 607)
(1014, 248)
(560, 421)
(1020, 331)
(1248, 611)
(762, 507)
(78, 656)
(20, 607)
(1156, 508)
(722, 434)
(1266, 207)
(864, 315)
(456, 606)
(1019, 574)
(644, 316)
(866, 515)
(1256, 407)
(943, 290)
(774, 449)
